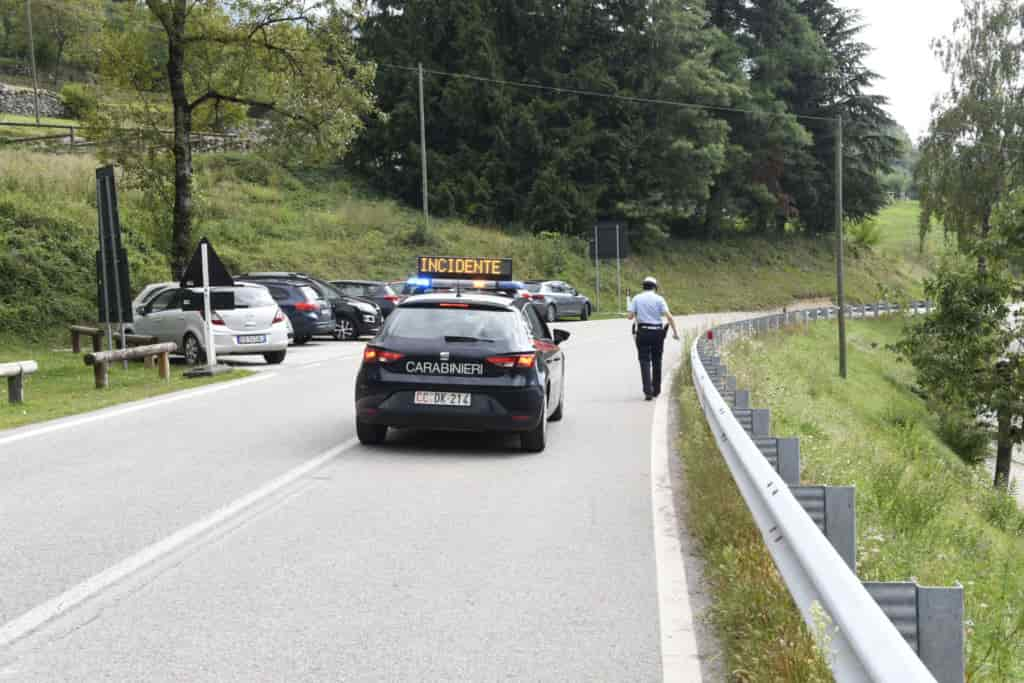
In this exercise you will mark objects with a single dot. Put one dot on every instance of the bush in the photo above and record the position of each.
(864, 234)
(80, 100)
(964, 435)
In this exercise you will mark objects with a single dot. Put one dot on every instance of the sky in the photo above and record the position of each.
(901, 32)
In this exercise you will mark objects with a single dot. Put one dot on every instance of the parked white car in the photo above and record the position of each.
(255, 326)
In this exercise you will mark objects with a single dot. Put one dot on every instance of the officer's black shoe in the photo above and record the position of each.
(648, 397)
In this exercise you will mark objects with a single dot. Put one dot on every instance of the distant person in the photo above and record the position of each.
(646, 310)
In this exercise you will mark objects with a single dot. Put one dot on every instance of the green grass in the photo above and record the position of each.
(921, 512)
(260, 216)
(761, 631)
(64, 385)
(901, 241)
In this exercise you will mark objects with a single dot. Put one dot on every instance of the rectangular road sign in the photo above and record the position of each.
(469, 267)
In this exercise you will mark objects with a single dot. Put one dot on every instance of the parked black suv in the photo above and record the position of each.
(379, 293)
(309, 313)
(353, 317)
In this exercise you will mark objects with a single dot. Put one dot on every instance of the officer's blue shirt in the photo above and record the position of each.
(648, 308)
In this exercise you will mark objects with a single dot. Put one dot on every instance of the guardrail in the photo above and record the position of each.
(872, 632)
(79, 331)
(15, 374)
(101, 360)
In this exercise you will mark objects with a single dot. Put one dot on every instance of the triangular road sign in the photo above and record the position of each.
(219, 275)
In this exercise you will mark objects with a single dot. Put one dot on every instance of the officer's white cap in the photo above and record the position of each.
(650, 281)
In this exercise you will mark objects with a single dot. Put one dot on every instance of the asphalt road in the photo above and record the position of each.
(437, 557)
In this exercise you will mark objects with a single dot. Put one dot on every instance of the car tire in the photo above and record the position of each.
(299, 341)
(585, 315)
(370, 434)
(557, 415)
(345, 329)
(275, 357)
(551, 315)
(535, 440)
(192, 350)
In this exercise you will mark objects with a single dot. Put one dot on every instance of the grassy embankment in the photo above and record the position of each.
(260, 216)
(921, 512)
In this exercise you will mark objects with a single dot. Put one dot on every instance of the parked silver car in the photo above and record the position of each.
(255, 326)
(555, 300)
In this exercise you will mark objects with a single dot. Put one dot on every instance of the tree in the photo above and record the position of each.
(291, 61)
(67, 25)
(545, 159)
(968, 354)
(971, 151)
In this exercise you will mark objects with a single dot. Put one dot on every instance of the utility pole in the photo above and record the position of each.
(423, 154)
(840, 294)
(32, 55)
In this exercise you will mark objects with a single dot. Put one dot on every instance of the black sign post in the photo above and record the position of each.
(611, 241)
(113, 284)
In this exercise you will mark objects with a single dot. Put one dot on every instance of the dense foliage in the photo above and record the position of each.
(555, 160)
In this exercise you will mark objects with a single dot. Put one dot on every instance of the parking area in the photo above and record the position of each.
(311, 353)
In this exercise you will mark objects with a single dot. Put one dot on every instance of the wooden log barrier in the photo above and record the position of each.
(78, 331)
(15, 374)
(102, 359)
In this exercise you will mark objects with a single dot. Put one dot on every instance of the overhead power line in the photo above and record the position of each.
(606, 95)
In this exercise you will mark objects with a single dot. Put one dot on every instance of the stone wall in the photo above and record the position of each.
(20, 101)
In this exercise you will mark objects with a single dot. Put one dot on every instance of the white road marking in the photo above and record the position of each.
(142, 404)
(32, 620)
(680, 660)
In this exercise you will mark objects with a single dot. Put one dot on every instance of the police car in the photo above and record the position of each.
(465, 355)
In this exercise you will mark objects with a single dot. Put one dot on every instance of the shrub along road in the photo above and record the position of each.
(435, 557)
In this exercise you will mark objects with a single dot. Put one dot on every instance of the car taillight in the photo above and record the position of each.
(278, 317)
(536, 297)
(216, 319)
(519, 360)
(374, 355)
(393, 299)
(306, 306)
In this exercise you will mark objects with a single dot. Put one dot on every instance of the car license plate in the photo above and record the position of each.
(252, 339)
(442, 398)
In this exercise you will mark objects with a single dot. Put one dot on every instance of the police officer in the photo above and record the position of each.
(646, 310)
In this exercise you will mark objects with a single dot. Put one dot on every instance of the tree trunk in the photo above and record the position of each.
(986, 226)
(713, 219)
(181, 230)
(1004, 451)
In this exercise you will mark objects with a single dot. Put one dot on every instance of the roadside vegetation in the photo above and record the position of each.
(923, 512)
(64, 385)
(763, 636)
(260, 215)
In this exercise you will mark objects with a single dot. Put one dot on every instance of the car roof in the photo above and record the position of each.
(482, 300)
(359, 282)
(292, 282)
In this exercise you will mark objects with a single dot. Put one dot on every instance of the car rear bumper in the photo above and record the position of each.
(227, 343)
(491, 409)
(304, 327)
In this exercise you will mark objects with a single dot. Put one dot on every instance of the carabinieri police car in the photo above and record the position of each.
(469, 354)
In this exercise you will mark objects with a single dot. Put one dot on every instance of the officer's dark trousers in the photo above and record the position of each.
(650, 343)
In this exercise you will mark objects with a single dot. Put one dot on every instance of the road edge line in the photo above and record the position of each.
(680, 656)
(38, 616)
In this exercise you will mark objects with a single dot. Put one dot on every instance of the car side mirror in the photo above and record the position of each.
(561, 336)
(142, 310)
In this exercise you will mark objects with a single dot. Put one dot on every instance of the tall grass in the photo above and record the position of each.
(922, 512)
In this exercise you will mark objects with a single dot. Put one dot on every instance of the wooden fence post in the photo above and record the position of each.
(100, 372)
(165, 366)
(16, 388)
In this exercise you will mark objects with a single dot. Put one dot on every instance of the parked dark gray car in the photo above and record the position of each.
(554, 300)
(379, 293)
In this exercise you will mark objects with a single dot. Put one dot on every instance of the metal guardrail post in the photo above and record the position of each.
(833, 510)
(930, 619)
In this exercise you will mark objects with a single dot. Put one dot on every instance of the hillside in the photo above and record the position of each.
(261, 216)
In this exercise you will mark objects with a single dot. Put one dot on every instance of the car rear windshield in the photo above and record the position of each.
(463, 323)
(310, 293)
(252, 297)
(533, 286)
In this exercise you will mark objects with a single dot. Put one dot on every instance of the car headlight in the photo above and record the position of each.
(369, 317)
